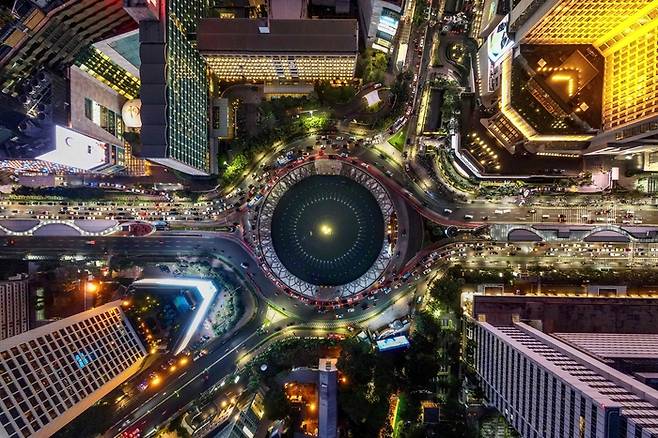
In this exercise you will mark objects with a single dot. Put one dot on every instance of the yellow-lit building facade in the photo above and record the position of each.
(279, 50)
(264, 67)
(624, 32)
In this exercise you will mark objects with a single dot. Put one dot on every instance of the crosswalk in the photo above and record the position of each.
(578, 214)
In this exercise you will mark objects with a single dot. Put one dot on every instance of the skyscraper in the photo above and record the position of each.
(547, 388)
(50, 375)
(14, 306)
(624, 33)
(53, 38)
(578, 74)
(174, 89)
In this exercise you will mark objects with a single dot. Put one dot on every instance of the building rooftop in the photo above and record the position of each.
(327, 389)
(285, 36)
(572, 314)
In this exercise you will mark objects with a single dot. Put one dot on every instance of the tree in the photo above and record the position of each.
(235, 168)
(92, 422)
(356, 361)
(447, 291)
(276, 404)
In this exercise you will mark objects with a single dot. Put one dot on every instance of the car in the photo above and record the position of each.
(366, 165)
(244, 265)
(351, 310)
(339, 316)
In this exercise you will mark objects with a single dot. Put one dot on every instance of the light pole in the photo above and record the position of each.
(89, 287)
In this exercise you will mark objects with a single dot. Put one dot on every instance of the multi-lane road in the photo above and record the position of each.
(148, 409)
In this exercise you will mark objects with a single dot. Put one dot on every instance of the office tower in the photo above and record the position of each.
(581, 74)
(569, 314)
(14, 306)
(630, 353)
(50, 375)
(285, 50)
(547, 388)
(174, 88)
(248, 421)
(379, 21)
(53, 37)
(122, 50)
(327, 393)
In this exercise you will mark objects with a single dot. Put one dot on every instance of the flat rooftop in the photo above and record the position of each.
(572, 314)
(242, 35)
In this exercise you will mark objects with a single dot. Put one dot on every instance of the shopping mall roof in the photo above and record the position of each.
(243, 35)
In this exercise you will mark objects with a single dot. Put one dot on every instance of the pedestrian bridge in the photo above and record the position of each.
(565, 232)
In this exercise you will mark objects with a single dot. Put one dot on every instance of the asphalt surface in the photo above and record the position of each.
(225, 356)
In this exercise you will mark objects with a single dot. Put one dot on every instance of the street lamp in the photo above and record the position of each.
(91, 288)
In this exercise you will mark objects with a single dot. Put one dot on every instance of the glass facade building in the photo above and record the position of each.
(100, 66)
(58, 37)
(187, 91)
(174, 92)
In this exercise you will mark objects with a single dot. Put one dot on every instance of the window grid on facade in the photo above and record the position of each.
(44, 376)
(624, 31)
(557, 385)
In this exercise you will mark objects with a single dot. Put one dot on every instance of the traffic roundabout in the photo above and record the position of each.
(327, 230)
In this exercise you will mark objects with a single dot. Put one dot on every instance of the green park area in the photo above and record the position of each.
(397, 141)
(372, 66)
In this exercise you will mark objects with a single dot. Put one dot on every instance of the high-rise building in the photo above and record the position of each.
(630, 353)
(14, 306)
(380, 20)
(285, 50)
(50, 375)
(248, 421)
(327, 393)
(174, 88)
(53, 38)
(578, 74)
(547, 388)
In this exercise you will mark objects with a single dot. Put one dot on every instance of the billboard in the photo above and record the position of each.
(499, 41)
(131, 113)
(73, 149)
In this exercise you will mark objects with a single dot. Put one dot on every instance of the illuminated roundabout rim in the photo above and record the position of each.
(281, 186)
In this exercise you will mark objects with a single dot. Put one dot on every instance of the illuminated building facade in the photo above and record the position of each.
(600, 94)
(379, 21)
(97, 64)
(284, 50)
(53, 373)
(174, 88)
(52, 39)
(624, 33)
